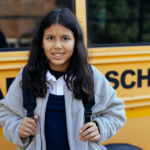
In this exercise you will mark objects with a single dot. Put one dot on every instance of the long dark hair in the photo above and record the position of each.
(78, 76)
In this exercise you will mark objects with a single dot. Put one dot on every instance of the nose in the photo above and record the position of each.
(58, 44)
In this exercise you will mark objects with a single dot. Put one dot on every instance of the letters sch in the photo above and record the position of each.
(140, 77)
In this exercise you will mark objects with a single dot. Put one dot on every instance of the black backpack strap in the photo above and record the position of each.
(88, 106)
(29, 99)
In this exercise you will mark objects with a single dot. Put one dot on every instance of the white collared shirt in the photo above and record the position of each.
(57, 87)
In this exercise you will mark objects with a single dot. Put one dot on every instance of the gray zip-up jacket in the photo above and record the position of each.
(108, 112)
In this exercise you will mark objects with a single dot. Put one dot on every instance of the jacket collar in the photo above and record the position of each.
(50, 77)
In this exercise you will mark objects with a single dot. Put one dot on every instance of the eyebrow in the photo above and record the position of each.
(48, 35)
(62, 35)
(66, 35)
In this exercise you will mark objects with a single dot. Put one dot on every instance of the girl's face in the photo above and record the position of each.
(58, 44)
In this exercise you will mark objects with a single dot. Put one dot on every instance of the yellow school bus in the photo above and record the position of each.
(120, 49)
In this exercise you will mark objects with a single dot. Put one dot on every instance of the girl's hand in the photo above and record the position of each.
(28, 127)
(89, 132)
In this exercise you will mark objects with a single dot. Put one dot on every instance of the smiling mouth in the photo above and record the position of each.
(58, 54)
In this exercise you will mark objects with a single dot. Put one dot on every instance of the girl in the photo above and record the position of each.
(59, 76)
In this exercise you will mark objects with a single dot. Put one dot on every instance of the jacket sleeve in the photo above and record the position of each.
(109, 111)
(12, 113)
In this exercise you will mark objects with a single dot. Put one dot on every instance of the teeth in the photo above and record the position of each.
(57, 54)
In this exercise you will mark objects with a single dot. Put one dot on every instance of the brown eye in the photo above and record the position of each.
(65, 39)
(50, 38)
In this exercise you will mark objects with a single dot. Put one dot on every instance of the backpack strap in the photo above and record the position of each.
(88, 106)
(29, 99)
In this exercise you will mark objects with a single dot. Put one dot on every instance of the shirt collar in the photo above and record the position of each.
(49, 76)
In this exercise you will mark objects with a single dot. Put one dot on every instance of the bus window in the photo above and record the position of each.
(118, 22)
(19, 20)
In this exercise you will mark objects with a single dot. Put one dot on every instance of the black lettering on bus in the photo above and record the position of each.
(9, 82)
(1, 95)
(141, 77)
(123, 76)
(115, 81)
